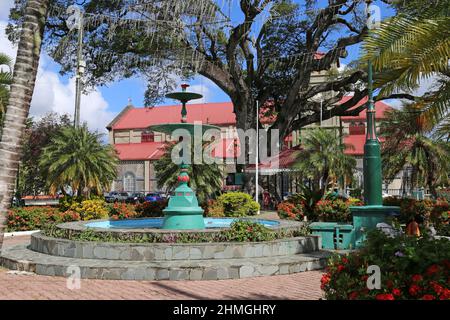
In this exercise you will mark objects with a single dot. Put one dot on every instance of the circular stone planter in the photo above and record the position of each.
(165, 261)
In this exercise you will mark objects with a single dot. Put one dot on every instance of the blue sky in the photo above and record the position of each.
(56, 93)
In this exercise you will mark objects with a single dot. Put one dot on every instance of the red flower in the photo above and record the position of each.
(437, 288)
(428, 297)
(384, 296)
(344, 260)
(414, 290)
(324, 280)
(340, 268)
(396, 292)
(416, 278)
(445, 295)
(432, 269)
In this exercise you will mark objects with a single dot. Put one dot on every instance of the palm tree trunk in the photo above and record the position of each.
(24, 77)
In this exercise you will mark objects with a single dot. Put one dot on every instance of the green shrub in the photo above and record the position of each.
(214, 208)
(238, 204)
(151, 208)
(244, 230)
(66, 202)
(333, 210)
(240, 231)
(34, 218)
(411, 268)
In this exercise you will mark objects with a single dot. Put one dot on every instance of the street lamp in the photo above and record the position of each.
(373, 212)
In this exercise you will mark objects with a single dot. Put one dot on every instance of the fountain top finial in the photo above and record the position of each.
(184, 86)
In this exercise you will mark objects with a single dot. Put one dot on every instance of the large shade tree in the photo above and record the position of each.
(257, 50)
(38, 135)
(76, 157)
(21, 91)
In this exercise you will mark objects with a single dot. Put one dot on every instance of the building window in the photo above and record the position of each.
(147, 136)
(357, 128)
(129, 182)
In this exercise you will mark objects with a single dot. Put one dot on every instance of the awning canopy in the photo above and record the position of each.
(281, 162)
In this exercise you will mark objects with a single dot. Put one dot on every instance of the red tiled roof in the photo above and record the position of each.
(380, 109)
(212, 113)
(41, 197)
(281, 161)
(357, 141)
(140, 151)
(227, 149)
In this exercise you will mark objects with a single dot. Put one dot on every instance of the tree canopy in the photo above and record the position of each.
(258, 50)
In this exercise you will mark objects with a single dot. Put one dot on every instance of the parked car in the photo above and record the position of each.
(136, 197)
(117, 196)
(154, 196)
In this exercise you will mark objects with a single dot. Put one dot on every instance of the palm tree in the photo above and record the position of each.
(21, 91)
(442, 130)
(409, 143)
(323, 159)
(205, 179)
(75, 157)
(5, 82)
(412, 46)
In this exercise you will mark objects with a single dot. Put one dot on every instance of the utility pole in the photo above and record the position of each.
(257, 154)
(81, 65)
(75, 20)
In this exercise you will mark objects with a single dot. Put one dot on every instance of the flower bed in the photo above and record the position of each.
(410, 268)
(239, 231)
(34, 218)
(336, 210)
(434, 212)
(232, 204)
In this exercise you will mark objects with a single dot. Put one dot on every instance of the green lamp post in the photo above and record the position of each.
(366, 217)
(183, 211)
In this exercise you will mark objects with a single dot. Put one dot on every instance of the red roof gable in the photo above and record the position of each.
(279, 162)
(357, 141)
(140, 151)
(212, 113)
(380, 109)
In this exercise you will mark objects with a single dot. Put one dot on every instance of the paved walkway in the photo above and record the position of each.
(300, 286)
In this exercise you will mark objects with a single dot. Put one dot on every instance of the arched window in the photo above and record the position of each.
(129, 182)
(147, 136)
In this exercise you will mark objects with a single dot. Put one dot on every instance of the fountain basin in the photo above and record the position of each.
(157, 223)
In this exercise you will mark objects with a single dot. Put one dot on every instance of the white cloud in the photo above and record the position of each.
(51, 94)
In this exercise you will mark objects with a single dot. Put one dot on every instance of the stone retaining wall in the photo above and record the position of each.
(172, 251)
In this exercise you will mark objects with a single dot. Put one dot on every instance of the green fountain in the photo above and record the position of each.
(183, 211)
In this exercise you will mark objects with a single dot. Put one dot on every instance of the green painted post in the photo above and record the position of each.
(366, 218)
(372, 154)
